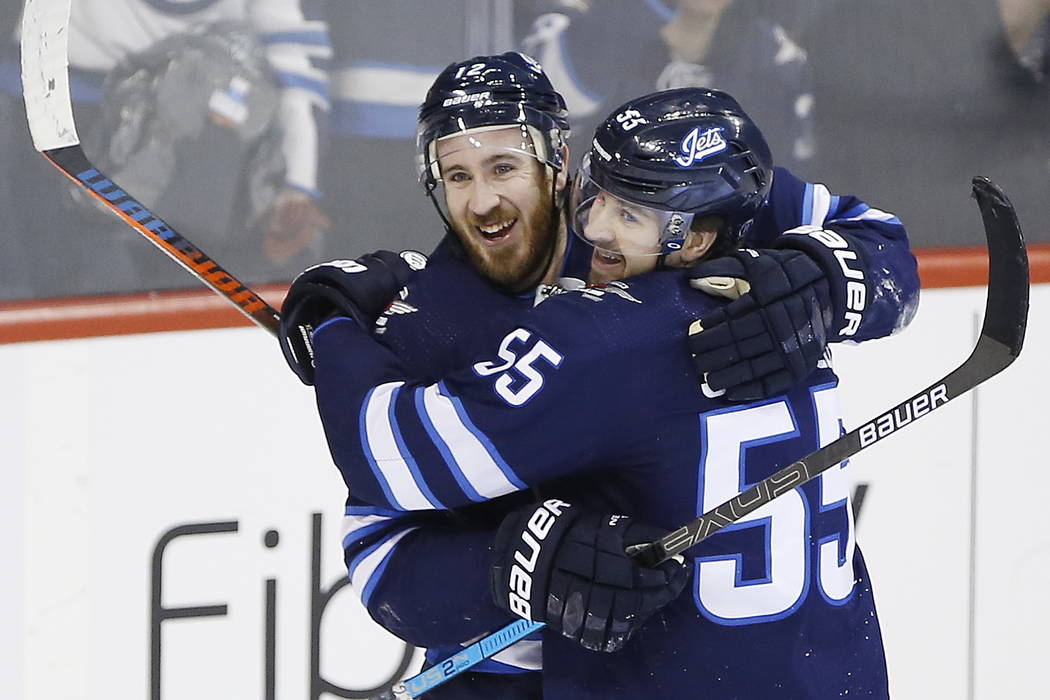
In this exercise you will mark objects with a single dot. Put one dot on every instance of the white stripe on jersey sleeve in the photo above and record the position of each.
(361, 576)
(463, 448)
(355, 524)
(872, 214)
(381, 445)
(821, 205)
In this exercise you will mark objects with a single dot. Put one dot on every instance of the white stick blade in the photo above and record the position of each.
(45, 74)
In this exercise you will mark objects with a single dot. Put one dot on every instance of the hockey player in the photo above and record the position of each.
(781, 604)
(386, 550)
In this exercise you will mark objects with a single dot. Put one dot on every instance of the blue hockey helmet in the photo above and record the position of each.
(678, 155)
(508, 89)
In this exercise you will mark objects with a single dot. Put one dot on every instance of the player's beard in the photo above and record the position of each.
(518, 267)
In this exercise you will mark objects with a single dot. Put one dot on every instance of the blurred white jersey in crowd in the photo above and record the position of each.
(104, 32)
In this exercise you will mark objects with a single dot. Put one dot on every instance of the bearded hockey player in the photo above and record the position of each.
(391, 539)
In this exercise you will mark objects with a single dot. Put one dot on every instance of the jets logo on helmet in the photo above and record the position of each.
(696, 145)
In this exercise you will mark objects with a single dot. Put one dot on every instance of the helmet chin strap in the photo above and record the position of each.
(457, 248)
(433, 200)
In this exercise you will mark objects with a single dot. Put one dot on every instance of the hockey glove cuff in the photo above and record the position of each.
(569, 569)
(773, 334)
(842, 259)
(359, 289)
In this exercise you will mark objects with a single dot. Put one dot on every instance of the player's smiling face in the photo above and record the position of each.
(626, 238)
(498, 196)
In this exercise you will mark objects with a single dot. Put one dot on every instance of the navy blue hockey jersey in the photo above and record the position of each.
(404, 565)
(424, 445)
(592, 390)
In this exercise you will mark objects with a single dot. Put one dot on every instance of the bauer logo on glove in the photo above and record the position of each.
(553, 563)
(538, 527)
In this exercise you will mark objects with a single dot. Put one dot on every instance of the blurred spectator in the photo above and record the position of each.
(928, 94)
(1026, 24)
(600, 54)
(205, 111)
(924, 95)
(794, 15)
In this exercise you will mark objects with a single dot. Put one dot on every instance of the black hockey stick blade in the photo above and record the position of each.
(1002, 335)
(45, 81)
(1006, 308)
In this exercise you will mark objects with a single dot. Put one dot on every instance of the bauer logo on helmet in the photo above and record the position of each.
(472, 98)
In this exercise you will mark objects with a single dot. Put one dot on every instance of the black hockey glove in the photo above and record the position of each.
(773, 333)
(569, 569)
(360, 289)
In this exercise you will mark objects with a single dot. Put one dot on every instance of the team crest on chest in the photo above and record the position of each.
(396, 308)
(597, 292)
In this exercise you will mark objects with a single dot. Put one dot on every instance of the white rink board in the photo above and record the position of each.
(109, 443)
(119, 440)
(915, 524)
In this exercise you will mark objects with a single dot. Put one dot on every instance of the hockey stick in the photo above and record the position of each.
(45, 86)
(1002, 335)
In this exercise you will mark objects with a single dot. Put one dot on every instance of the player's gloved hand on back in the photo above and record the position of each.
(359, 289)
(556, 564)
(774, 331)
